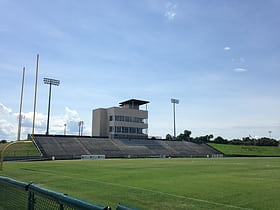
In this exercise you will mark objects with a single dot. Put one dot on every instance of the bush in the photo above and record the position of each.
(236, 142)
(266, 142)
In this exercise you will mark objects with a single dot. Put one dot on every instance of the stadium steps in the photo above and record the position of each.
(87, 152)
(68, 147)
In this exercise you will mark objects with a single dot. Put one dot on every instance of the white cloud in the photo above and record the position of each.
(4, 109)
(240, 70)
(227, 48)
(7, 130)
(71, 114)
(170, 10)
(71, 118)
(40, 119)
(9, 123)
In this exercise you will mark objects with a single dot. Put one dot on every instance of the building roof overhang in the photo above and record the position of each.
(134, 102)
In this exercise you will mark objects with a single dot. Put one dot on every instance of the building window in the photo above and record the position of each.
(132, 130)
(139, 131)
(118, 129)
(126, 119)
(127, 130)
(124, 129)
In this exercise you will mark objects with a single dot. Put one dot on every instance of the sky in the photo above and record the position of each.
(219, 58)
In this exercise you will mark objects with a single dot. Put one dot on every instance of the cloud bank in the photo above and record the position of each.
(9, 123)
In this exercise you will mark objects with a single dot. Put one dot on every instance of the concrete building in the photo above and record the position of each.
(126, 121)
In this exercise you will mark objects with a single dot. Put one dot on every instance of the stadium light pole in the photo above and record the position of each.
(50, 82)
(35, 94)
(174, 101)
(81, 125)
(20, 106)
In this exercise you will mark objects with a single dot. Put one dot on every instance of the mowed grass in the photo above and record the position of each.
(226, 183)
(230, 149)
(20, 149)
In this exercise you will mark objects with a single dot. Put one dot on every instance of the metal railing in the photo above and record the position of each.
(17, 195)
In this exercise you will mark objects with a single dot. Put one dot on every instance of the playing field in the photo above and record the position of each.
(247, 150)
(228, 183)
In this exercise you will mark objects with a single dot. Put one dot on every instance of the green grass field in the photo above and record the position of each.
(27, 149)
(227, 183)
(230, 149)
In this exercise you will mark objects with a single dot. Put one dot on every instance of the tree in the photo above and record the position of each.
(168, 137)
(220, 140)
(236, 142)
(185, 136)
(3, 141)
(249, 141)
(266, 142)
(210, 137)
(187, 133)
(202, 139)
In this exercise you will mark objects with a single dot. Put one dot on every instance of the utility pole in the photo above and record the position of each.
(35, 95)
(20, 105)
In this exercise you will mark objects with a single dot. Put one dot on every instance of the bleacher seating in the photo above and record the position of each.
(72, 147)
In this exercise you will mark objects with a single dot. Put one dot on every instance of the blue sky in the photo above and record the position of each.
(219, 58)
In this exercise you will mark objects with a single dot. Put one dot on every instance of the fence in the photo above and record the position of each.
(92, 157)
(17, 195)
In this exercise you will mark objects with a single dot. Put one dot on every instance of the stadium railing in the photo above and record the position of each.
(19, 195)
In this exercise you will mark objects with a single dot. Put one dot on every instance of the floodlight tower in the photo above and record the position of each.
(50, 82)
(81, 125)
(174, 101)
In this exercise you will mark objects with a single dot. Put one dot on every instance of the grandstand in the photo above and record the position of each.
(72, 147)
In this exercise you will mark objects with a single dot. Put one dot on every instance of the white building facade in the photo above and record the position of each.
(126, 121)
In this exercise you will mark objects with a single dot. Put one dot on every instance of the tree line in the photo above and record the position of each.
(186, 136)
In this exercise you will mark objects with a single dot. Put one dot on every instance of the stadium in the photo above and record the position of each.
(118, 132)
(93, 126)
(132, 170)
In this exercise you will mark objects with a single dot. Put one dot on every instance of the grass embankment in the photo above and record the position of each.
(262, 151)
(225, 183)
(26, 149)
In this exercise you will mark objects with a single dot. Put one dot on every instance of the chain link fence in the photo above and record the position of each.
(17, 195)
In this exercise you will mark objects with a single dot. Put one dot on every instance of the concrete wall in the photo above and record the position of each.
(99, 122)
